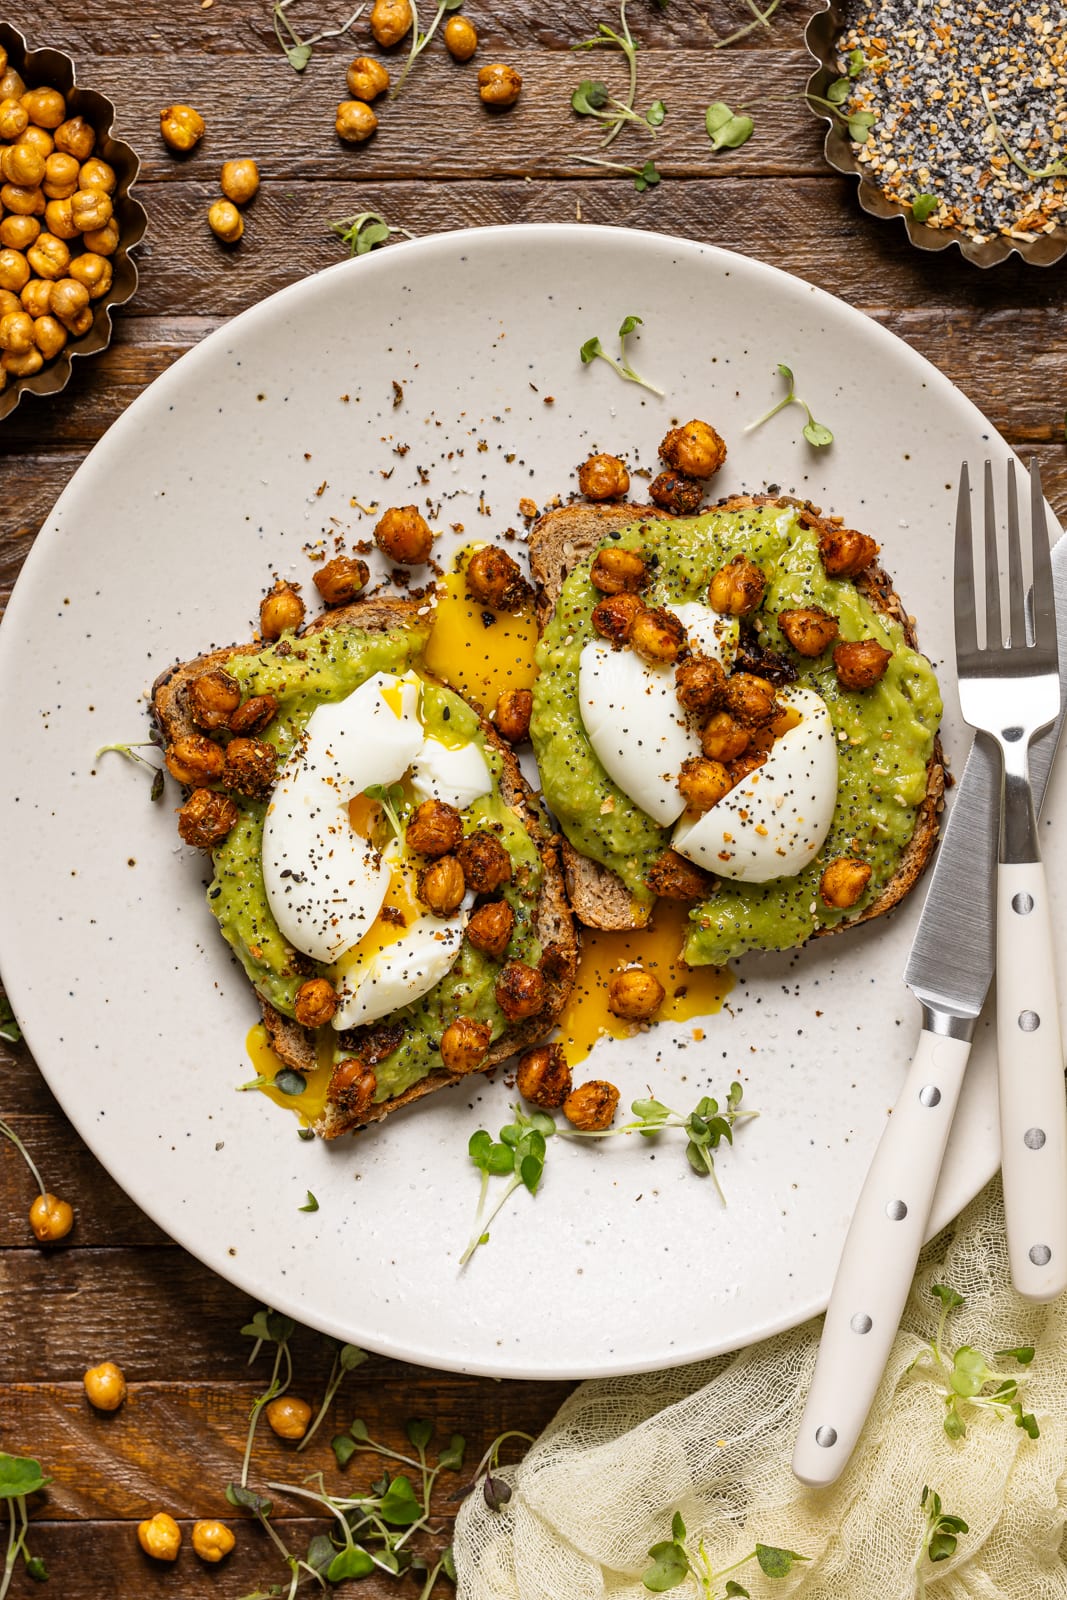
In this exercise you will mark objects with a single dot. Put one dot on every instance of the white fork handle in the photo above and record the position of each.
(878, 1262)
(1033, 1104)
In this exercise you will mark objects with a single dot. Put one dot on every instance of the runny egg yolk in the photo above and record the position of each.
(690, 992)
(399, 910)
(478, 652)
(310, 1104)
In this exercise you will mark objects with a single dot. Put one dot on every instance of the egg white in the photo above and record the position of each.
(457, 774)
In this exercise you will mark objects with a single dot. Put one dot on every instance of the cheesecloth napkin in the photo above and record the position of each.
(714, 1441)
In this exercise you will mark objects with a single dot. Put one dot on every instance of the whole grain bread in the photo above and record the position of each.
(559, 540)
(553, 921)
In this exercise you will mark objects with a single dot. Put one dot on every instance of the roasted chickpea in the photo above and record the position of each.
(316, 1003)
(695, 449)
(355, 121)
(592, 1106)
(845, 553)
(737, 589)
(10, 302)
(289, 1417)
(239, 180)
(617, 571)
(442, 886)
(69, 299)
(48, 256)
(13, 119)
(657, 635)
(93, 271)
(225, 221)
(603, 477)
(700, 684)
(181, 127)
(843, 882)
(750, 700)
(16, 332)
(60, 176)
(59, 219)
(91, 208)
(490, 928)
(212, 697)
(212, 1540)
(46, 108)
(615, 615)
(251, 767)
(75, 137)
(195, 759)
(352, 1088)
(206, 818)
(160, 1537)
(97, 174)
(461, 38)
(435, 829)
(634, 994)
(50, 1218)
(499, 85)
(543, 1076)
(341, 580)
(465, 1044)
(857, 666)
(23, 363)
(390, 20)
(49, 336)
(404, 536)
(485, 862)
(40, 139)
(809, 629)
(14, 270)
(103, 241)
(511, 719)
(495, 580)
(280, 611)
(105, 1386)
(703, 783)
(674, 878)
(722, 738)
(22, 164)
(80, 324)
(12, 86)
(366, 78)
(18, 233)
(675, 492)
(24, 202)
(3, 58)
(520, 990)
(254, 715)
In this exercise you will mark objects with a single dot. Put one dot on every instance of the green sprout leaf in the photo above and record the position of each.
(734, 1588)
(20, 1476)
(246, 1499)
(646, 178)
(774, 1562)
(589, 97)
(1022, 1353)
(288, 1081)
(9, 1028)
(857, 62)
(366, 230)
(839, 91)
(948, 1297)
(311, 1203)
(860, 124)
(669, 1567)
(297, 50)
(343, 1447)
(727, 130)
(655, 114)
(924, 206)
(399, 1505)
(816, 433)
(352, 1562)
(420, 1431)
(593, 350)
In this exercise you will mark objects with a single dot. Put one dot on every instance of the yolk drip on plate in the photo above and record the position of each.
(312, 1102)
(690, 992)
(475, 651)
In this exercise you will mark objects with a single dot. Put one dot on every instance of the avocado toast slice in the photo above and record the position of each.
(400, 1053)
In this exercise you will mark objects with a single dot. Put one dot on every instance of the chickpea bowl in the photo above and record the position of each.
(67, 220)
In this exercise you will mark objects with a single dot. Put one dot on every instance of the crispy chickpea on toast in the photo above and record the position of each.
(295, 1045)
(558, 542)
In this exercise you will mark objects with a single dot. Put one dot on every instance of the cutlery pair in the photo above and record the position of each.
(1010, 691)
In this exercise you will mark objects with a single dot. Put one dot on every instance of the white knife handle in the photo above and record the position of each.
(1033, 1104)
(877, 1264)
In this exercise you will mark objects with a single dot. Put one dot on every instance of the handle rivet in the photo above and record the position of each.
(930, 1095)
(825, 1436)
(1040, 1255)
(1022, 903)
(1034, 1138)
(896, 1210)
(1029, 1021)
(861, 1323)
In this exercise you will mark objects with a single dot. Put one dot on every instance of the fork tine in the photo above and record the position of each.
(1016, 582)
(1044, 602)
(994, 633)
(963, 575)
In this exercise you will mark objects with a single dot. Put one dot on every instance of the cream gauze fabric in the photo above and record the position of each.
(714, 1441)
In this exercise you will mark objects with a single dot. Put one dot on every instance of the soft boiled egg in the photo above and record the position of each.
(632, 717)
(772, 823)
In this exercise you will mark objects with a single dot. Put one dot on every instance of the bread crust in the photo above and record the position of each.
(558, 542)
(554, 924)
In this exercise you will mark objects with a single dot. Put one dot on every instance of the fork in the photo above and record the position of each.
(1009, 689)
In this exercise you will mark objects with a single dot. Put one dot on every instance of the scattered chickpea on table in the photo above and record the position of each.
(105, 1386)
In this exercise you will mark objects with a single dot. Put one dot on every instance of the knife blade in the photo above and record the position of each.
(949, 970)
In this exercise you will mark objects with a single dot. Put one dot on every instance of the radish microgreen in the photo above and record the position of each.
(673, 1563)
(518, 1155)
(10, 1031)
(924, 206)
(9, 1133)
(266, 1327)
(727, 130)
(858, 123)
(311, 1204)
(816, 433)
(297, 50)
(347, 1358)
(390, 796)
(593, 350)
(419, 41)
(129, 751)
(760, 19)
(1055, 169)
(705, 1128)
(645, 177)
(967, 1374)
(607, 38)
(592, 99)
(20, 1476)
(366, 229)
(939, 1538)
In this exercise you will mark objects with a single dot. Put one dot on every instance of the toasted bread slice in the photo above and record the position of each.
(563, 537)
(553, 922)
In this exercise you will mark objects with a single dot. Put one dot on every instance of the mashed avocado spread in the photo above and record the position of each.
(885, 734)
(302, 674)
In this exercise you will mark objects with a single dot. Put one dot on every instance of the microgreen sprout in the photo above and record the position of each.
(705, 1128)
(311, 1204)
(939, 1538)
(267, 1327)
(346, 1359)
(727, 130)
(760, 19)
(10, 1031)
(518, 1155)
(129, 751)
(592, 99)
(1055, 169)
(593, 350)
(419, 41)
(924, 206)
(673, 1563)
(366, 229)
(816, 433)
(967, 1374)
(10, 1134)
(608, 38)
(20, 1476)
(298, 50)
(858, 123)
(390, 796)
(645, 177)
(496, 1492)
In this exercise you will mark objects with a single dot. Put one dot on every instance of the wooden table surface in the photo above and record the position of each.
(118, 1288)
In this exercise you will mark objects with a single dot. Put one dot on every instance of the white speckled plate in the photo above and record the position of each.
(161, 546)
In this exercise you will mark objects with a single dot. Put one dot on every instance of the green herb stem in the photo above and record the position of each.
(481, 1228)
(1056, 169)
(760, 19)
(9, 1133)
